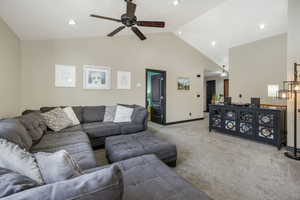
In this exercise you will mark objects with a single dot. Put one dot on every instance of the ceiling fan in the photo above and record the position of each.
(130, 20)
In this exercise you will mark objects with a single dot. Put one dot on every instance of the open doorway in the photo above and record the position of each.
(156, 95)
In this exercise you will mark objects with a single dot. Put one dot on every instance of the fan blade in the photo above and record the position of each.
(151, 24)
(116, 31)
(108, 18)
(138, 33)
(131, 7)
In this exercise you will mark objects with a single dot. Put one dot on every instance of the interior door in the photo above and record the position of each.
(158, 98)
(210, 92)
(226, 88)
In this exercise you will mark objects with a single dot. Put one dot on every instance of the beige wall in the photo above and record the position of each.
(256, 65)
(161, 51)
(9, 72)
(293, 56)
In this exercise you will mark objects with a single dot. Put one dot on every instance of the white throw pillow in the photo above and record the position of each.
(123, 114)
(57, 119)
(72, 116)
(58, 166)
(14, 158)
(110, 112)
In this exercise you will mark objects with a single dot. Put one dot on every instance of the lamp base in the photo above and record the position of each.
(292, 155)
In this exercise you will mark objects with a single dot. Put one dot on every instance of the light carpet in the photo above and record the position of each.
(229, 168)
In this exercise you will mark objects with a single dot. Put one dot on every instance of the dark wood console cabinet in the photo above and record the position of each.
(259, 124)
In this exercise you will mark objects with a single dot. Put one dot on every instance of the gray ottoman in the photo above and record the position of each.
(123, 147)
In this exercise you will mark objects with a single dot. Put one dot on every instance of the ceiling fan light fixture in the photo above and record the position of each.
(129, 20)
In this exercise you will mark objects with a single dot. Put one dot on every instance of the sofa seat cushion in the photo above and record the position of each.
(129, 127)
(53, 140)
(101, 129)
(73, 129)
(128, 146)
(77, 144)
(147, 178)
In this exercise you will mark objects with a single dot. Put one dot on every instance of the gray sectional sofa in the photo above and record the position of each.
(91, 119)
(144, 177)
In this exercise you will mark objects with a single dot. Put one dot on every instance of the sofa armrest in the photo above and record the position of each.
(103, 184)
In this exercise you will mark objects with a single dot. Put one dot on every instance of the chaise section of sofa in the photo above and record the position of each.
(148, 178)
(77, 144)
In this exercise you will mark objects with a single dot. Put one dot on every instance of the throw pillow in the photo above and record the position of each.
(58, 166)
(34, 124)
(72, 116)
(110, 112)
(57, 119)
(12, 182)
(14, 158)
(123, 114)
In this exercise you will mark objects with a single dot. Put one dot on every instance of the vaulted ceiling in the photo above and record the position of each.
(232, 23)
(48, 19)
(226, 22)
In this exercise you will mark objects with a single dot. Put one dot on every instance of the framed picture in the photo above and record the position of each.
(124, 80)
(65, 76)
(96, 78)
(183, 84)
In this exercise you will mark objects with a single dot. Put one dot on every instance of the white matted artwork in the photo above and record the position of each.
(96, 78)
(124, 80)
(65, 76)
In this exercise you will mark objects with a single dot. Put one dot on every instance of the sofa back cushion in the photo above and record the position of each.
(12, 130)
(34, 124)
(77, 110)
(12, 182)
(93, 114)
(139, 115)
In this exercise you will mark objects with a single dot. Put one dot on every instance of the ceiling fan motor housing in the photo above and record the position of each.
(128, 21)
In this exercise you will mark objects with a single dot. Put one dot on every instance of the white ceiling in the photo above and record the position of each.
(232, 23)
(48, 19)
(228, 22)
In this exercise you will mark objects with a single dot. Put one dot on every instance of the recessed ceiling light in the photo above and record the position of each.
(72, 22)
(213, 43)
(262, 26)
(179, 32)
(176, 2)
